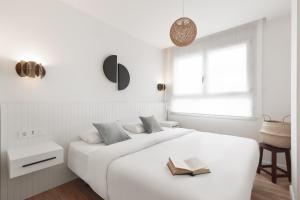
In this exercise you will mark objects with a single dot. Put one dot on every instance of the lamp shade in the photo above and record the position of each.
(183, 31)
(30, 69)
(161, 87)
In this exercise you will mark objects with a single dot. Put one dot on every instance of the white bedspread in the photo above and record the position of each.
(136, 169)
(79, 156)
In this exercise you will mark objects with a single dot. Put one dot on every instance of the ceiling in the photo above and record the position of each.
(150, 20)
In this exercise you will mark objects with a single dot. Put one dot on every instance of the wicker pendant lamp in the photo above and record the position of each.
(183, 31)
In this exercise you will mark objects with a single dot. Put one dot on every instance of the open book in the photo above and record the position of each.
(192, 166)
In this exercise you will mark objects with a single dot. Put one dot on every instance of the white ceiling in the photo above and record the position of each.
(150, 20)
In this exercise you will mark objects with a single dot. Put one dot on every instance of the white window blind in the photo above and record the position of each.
(219, 78)
(227, 69)
(188, 82)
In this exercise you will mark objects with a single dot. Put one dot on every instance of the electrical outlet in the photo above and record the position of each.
(29, 133)
(33, 133)
(23, 134)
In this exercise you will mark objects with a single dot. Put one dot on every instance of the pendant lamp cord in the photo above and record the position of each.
(182, 8)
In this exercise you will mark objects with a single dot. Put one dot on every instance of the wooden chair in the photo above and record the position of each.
(273, 166)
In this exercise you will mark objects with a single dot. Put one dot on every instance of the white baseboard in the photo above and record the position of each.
(292, 193)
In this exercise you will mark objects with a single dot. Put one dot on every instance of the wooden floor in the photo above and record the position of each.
(263, 189)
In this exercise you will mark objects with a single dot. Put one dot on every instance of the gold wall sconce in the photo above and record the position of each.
(161, 87)
(30, 69)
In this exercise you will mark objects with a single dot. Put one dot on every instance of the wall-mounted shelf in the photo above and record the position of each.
(33, 157)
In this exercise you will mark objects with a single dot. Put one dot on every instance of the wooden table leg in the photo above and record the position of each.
(288, 163)
(261, 151)
(274, 167)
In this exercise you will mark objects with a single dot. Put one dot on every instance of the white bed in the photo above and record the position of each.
(78, 158)
(136, 169)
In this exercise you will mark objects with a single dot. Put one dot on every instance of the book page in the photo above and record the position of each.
(179, 163)
(195, 164)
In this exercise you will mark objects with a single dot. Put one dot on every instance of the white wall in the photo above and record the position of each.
(275, 86)
(295, 96)
(277, 67)
(72, 47)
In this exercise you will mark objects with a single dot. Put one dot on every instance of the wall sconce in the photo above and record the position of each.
(161, 87)
(30, 69)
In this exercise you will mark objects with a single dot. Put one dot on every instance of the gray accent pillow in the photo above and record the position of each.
(111, 132)
(150, 124)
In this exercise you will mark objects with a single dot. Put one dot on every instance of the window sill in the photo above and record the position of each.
(196, 115)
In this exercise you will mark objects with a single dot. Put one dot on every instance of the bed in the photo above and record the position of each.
(136, 169)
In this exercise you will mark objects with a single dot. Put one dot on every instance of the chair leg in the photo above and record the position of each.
(261, 151)
(288, 163)
(274, 167)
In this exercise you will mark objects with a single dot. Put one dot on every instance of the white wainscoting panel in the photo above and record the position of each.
(61, 122)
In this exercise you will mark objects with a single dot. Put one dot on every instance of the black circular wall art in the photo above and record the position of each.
(115, 72)
(110, 68)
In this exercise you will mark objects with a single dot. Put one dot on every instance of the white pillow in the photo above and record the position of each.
(91, 137)
(134, 127)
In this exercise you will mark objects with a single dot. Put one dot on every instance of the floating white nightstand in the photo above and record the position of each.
(33, 157)
(170, 124)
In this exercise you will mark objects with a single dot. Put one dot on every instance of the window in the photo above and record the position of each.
(188, 75)
(215, 81)
(227, 70)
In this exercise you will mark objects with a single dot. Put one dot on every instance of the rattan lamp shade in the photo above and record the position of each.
(183, 32)
(30, 69)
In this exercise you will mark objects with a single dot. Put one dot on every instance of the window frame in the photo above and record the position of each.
(252, 71)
